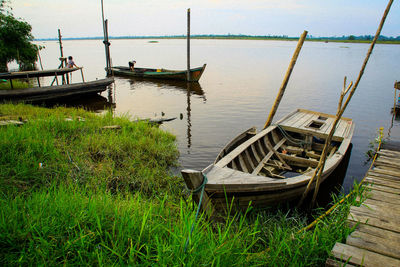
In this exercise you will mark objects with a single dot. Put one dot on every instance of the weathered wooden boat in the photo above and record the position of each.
(55, 92)
(163, 74)
(35, 73)
(274, 165)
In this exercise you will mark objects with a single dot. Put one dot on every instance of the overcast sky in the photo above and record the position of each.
(82, 18)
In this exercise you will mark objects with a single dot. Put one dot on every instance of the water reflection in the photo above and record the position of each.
(195, 88)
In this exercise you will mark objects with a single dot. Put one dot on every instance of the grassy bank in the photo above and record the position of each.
(74, 193)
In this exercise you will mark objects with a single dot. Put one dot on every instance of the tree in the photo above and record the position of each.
(15, 40)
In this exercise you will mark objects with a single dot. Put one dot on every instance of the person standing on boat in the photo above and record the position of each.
(132, 65)
(71, 63)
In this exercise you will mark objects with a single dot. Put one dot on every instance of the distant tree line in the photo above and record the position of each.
(240, 36)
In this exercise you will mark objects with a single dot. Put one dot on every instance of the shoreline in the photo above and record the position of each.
(324, 40)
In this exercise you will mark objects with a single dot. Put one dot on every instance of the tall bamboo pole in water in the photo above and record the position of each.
(321, 164)
(188, 45)
(105, 38)
(286, 79)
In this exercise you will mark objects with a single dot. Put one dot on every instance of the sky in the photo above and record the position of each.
(82, 18)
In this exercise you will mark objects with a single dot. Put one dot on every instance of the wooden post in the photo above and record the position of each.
(105, 41)
(40, 59)
(108, 47)
(64, 79)
(189, 122)
(188, 45)
(193, 180)
(395, 93)
(286, 79)
(83, 78)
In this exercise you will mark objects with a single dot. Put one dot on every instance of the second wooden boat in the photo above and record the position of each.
(274, 165)
(164, 74)
(55, 92)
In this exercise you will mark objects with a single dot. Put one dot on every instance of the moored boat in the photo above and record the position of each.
(274, 165)
(163, 74)
(55, 92)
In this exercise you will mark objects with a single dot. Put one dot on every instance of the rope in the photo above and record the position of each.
(198, 189)
(290, 138)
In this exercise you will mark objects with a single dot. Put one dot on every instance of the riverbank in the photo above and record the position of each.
(75, 191)
(235, 37)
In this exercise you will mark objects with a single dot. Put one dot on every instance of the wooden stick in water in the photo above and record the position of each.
(286, 79)
(318, 170)
(188, 45)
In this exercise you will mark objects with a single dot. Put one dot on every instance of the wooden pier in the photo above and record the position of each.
(376, 240)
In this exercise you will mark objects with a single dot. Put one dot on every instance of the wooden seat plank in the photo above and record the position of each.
(258, 168)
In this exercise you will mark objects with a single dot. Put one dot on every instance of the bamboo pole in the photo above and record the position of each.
(108, 47)
(394, 103)
(64, 79)
(286, 79)
(343, 93)
(40, 59)
(105, 41)
(188, 45)
(321, 164)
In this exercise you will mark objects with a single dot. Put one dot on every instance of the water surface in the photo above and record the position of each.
(239, 86)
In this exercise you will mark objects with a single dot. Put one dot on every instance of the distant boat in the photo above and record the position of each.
(162, 74)
(275, 165)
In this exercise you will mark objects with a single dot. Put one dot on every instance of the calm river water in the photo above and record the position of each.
(239, 86)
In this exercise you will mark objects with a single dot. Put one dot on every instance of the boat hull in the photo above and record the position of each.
(55, 92)
(160, 74)
(275, 165)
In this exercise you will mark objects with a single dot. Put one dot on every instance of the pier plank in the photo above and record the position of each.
(374, 243)
(378, 232)
(383, 176)
(383, 196)
(358, 256)
(384, 189)
(364, 217)
(382, 182)
(376, 239)
(383, 213)
(375, 204)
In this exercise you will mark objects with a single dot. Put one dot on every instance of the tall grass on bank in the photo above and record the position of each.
(77, 226)
(73, 193)
(73, 226)
(75, 148)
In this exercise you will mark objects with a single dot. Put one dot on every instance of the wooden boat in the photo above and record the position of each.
(274, 165)
(164, 74)
(55, 92)
(35, 73)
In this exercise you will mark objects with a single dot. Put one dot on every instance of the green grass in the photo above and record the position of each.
(73, 193)
(50, 148)
(16, 85)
